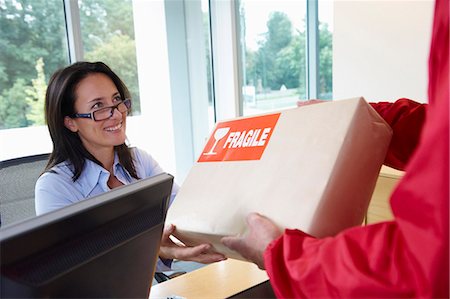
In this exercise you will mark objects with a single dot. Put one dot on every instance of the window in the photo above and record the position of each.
(187, 64)
(34, 41)
(277, 69)
(34, 45)
(207, 49)
(325, 84)
(273, 43)
(107, 32)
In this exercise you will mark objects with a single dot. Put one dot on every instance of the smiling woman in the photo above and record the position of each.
(86, 117)
(103, 126)
(86, 109)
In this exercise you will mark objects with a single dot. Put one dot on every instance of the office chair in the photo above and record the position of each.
(17, 179)
(179, 268)
(161, 276)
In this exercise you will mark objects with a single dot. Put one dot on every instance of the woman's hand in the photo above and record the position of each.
(200, 253)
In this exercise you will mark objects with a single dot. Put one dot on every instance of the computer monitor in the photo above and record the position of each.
(105, 246)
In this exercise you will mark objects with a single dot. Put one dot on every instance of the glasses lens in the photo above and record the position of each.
(123, 107)
(107, 112)
(102, 114)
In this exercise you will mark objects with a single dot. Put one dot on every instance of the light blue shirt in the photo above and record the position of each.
(56, 189)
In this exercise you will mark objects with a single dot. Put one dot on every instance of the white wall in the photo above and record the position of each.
(153, 130)
(380, 49)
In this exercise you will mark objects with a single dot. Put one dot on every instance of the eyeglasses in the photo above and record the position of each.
(105, 113)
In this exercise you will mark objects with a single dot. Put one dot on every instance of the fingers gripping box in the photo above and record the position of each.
(313, 168)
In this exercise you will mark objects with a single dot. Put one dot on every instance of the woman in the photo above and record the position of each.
(86, 109)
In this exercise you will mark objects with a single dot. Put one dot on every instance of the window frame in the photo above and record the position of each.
(228, 64)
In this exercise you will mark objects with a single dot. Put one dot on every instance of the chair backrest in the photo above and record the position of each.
(17, 179)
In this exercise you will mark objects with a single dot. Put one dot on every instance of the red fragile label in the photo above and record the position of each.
(238, 140)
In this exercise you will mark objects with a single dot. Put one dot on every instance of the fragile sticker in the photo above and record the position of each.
(238, 140)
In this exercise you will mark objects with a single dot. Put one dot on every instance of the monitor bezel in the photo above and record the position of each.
(33, 227)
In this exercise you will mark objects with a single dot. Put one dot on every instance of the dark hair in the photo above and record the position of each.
(59, 103)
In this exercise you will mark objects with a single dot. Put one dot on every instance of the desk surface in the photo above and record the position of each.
(391, 172)
(218, 280)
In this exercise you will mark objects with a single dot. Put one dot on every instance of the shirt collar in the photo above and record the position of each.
(91, 176)
(94, 175)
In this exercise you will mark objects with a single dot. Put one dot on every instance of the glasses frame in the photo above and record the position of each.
(91, 115)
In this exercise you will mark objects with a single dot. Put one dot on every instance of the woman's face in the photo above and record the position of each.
(94, 92)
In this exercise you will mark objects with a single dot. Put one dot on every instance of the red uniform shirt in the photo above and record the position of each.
(406, 119)
(404, 257)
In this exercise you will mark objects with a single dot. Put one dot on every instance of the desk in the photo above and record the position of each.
(231, 277)
(380, 208)
(218, 280)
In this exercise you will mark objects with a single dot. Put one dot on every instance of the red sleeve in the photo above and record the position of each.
(406, 257)
(406, 118)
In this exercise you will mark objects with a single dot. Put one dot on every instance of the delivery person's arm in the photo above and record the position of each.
(406, 119)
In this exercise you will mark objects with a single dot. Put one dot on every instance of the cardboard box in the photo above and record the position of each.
(313, 168)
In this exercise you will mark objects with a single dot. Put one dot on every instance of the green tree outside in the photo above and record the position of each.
(13, 106)
(116, 54)
(325, 62)
(281, 58)
(36, 96)
(33, 36)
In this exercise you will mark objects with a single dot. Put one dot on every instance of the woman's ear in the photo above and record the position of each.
(70, 124)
